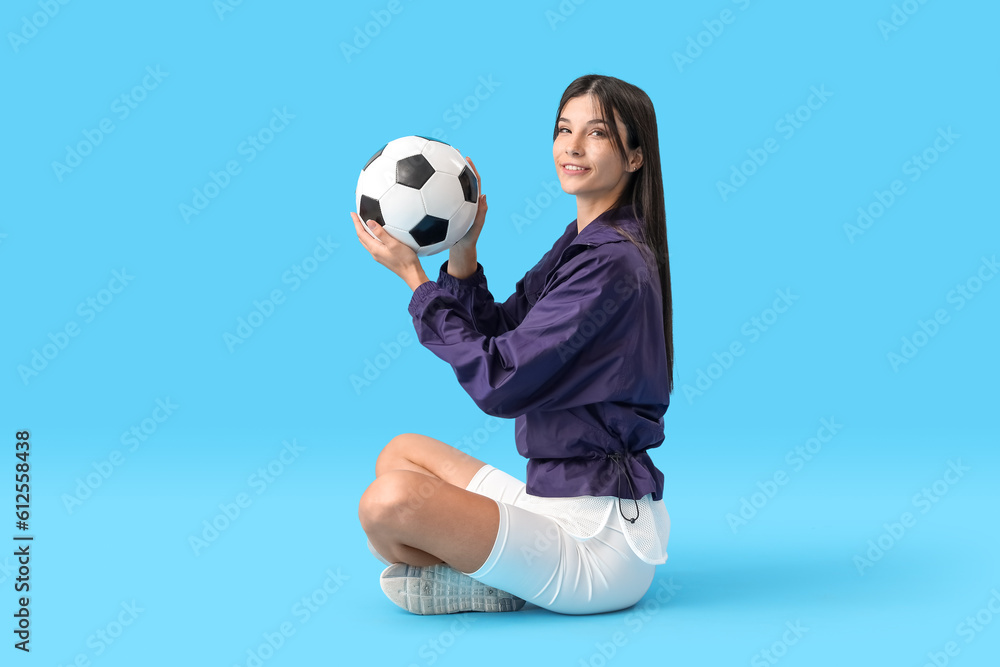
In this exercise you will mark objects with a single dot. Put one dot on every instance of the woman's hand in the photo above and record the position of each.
(467, 244)
(391, 252)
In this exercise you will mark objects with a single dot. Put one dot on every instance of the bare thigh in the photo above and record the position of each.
(423, 454)
(416, 518)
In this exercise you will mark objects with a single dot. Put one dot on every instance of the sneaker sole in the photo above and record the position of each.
(441, 589)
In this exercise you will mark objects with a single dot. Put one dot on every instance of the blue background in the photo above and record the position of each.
(161, 337)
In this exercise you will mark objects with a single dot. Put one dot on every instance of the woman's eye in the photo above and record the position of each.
(598, 132)
(564, 128)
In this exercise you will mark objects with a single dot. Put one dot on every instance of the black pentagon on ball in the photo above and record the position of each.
(373, 157)
(370, 210)
(470, 185)
(413, 171)
(429, 231)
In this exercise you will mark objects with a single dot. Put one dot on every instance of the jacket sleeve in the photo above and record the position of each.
(488, 317)
(550, 359)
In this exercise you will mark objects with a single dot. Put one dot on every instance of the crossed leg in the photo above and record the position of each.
(417, 510)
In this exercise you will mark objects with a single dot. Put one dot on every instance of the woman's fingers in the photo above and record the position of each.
(476, 172)
(370, 244)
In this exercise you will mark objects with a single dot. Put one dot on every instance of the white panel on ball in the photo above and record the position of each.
(402, 207)
(397, 149)
(380, 175)
(442, 195)
(444, 158)
(461, 222)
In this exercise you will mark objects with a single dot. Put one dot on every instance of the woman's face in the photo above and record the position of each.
(584, 152)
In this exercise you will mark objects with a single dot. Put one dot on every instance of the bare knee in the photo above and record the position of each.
(393, 451)
(392, 500)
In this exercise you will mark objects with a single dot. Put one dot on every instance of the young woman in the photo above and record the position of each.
(581, 356)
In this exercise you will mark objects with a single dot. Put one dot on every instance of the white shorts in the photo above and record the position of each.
(535, 559)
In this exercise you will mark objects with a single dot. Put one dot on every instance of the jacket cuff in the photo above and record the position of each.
(453, 284)
(424, 293)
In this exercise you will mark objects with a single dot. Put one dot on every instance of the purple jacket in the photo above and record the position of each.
(576, 355)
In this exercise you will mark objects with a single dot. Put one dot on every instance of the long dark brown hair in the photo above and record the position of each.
(644, 189)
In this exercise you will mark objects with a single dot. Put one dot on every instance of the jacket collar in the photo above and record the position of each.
(599, 231)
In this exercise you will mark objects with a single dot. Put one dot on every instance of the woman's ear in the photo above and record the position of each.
(636, 160)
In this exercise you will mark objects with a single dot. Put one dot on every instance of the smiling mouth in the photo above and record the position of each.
(574, 170)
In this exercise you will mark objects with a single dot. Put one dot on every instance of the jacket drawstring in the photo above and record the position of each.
(616, 458)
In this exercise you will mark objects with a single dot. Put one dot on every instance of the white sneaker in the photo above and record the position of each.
(441, 589)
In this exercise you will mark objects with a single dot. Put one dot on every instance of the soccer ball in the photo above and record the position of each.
(422, 192)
